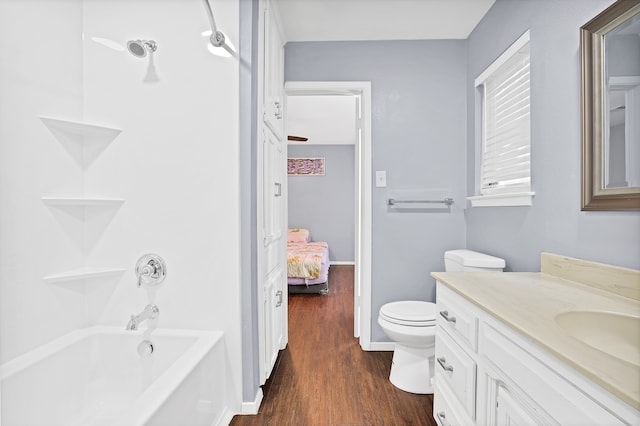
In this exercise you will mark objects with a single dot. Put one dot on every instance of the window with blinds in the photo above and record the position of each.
(506, 124)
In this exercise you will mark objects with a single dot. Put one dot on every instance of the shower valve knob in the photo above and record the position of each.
(150, 270)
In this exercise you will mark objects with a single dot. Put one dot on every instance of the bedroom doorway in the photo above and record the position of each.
(361, 92)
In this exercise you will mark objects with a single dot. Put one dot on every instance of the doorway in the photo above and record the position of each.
(362, 235)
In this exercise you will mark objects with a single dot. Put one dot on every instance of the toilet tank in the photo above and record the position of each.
(471, 261)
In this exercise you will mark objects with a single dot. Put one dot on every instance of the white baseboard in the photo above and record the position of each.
(251, 408)
(342, 262)
(382, 346)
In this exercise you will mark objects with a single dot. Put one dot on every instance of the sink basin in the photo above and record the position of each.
(613, 333)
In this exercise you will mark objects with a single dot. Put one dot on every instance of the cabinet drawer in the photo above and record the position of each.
(456, 370)
(446, 410)
(455, 316)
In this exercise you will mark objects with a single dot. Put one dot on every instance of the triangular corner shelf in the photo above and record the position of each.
(82, 274)
(77, 128)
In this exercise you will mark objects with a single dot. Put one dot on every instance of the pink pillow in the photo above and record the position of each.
(298, 235)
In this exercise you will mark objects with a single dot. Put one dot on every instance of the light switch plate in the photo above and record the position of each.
(381, 178)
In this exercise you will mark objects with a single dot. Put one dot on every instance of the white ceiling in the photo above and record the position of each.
(337, 20)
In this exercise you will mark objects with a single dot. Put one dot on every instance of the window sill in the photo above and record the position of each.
(503, 200)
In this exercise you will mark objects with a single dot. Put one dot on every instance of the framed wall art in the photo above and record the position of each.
(305, 166)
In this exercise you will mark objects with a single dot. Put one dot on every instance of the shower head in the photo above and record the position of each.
(140, 48)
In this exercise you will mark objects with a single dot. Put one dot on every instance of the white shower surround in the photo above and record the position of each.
(175, 164)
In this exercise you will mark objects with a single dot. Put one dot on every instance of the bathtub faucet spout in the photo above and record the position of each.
(150, 312)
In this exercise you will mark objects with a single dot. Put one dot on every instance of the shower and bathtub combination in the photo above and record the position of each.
(120, 376)
(98, 166)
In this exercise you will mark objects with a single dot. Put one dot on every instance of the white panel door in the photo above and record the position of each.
(272, 204)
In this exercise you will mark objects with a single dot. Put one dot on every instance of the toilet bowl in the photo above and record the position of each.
(412, 326)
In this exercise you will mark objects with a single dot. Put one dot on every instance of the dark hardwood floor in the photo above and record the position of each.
(323, 377)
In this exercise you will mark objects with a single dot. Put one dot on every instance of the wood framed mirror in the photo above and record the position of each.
(610, 48)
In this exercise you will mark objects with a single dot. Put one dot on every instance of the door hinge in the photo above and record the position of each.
(279, 296)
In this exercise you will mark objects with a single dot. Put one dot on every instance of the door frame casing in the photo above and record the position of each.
(362, 277)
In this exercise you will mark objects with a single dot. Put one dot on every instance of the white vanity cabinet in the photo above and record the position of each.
(487, 373)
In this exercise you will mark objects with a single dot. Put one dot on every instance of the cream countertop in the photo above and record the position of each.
(529, 301)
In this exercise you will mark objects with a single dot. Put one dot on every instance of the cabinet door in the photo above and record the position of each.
(268, 354)
(273, 314)
(509, 411)
(273, 254)
(273, 187)
(273, 74)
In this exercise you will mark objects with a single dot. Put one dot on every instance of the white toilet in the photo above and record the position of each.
(412, 325)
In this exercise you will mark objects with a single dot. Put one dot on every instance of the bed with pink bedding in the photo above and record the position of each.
(307, 263)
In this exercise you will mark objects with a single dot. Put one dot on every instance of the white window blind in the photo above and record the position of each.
(506, 127)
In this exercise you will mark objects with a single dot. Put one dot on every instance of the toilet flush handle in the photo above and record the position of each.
(445, 315)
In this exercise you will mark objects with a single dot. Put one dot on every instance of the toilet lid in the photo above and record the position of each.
(409, 312)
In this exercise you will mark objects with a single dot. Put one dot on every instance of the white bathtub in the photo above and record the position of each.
(95, 377)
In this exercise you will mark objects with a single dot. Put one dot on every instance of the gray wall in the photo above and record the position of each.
(418, 137)
(326, 204)
(554, 223)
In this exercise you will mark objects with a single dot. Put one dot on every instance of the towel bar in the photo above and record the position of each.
(393, 202)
